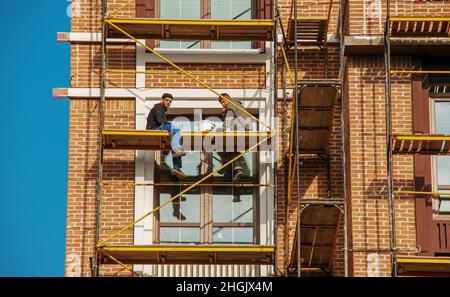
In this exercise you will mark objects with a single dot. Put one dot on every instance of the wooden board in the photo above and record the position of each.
(319, 225)
(136, 139)
(227, 30)
(316, 111)
(421, 144)
(423, 266)
(190, 254)
(420, 27)
(197, 141)
(309, 31)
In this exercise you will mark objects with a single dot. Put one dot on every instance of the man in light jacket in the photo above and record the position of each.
(234, 119)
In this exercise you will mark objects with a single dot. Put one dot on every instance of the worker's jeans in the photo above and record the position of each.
(174, 134)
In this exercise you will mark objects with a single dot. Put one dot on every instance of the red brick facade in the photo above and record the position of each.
(365, 120)
(117, 206)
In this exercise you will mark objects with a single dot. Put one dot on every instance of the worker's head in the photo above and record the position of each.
(223, 101)
(167, 100)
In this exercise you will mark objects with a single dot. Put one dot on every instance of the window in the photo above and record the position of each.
(208, 214)
(180, 222)
(180, 10)
(231, 10)
(214, 9)
(233, 216)
(442, 126)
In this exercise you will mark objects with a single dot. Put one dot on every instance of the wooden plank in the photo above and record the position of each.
(316, 110)
(230, 30)
(309, 31)
(239, 255)
(148, 140)
(419, 146)
(318, 238)
(419, 27)
(439, 266)
(159, 140)
(316, 118)
(311, 141)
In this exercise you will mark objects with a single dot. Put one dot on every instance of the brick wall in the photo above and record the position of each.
(85, 68)
(117, 204)
(87, 14)
(311, 65)
(368, 193)
(232, 76)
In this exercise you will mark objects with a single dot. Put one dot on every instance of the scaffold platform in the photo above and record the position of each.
(189, 254)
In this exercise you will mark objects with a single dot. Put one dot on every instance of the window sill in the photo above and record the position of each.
(202, 56)
(208, 51)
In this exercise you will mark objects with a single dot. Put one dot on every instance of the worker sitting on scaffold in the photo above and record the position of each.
(234, 119)
(156, 120)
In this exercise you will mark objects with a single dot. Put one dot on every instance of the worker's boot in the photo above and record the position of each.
(181, 199)
(179, 153)
(178, 173)
(237, 174)
(222, 171)
(179, 215)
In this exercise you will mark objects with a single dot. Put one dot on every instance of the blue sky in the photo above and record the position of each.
(33, 138)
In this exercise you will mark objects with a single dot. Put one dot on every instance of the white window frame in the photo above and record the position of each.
(435, 204)
(260, 100)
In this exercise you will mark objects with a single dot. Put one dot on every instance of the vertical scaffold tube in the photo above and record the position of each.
(274, 113)
(342, 9)
(100, 141)
(390, 173)
(296, 137)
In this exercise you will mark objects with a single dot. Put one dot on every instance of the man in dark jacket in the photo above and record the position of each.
(156, 120)
(234, 119)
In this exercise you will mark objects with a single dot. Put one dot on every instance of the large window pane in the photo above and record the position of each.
(442, 125)
(443, 165)
(225, 235)
(179, 10)
(189, 206)
(442, 117)
(228, 10)
(444, 203)
(233, 207)
(247, 162)
(191, 166)
(171, 235)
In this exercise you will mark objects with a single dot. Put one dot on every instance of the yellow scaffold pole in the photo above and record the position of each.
(291, 133)
(243, 73)
(420, 71)
(422, 193)
(291, 167)
(291, 77)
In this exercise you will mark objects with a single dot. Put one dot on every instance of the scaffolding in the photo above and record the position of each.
(312, 113)
(398, 28)
(135, 29)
